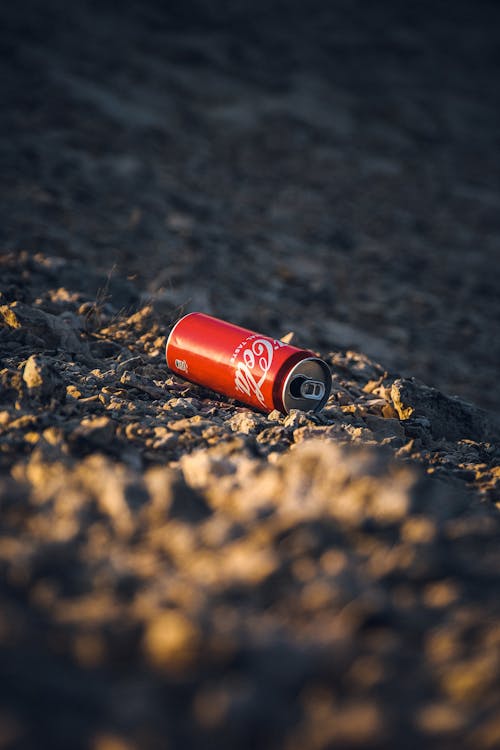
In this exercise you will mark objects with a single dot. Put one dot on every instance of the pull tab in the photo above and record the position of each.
(312, 389)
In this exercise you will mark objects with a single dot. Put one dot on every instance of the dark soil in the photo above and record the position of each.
(177, 570)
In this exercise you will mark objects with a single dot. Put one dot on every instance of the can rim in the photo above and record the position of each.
(187, 315)
(326, 396)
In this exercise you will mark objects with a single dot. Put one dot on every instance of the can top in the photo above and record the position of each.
(307, 385)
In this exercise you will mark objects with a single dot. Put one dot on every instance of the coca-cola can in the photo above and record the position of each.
(258, 370)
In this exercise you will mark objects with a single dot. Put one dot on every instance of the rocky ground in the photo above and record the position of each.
(179, 571)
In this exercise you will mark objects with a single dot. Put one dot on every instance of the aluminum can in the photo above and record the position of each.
(258, 370)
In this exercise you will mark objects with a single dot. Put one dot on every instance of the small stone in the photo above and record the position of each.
(200, 468)
(418, 530)
(470, 679)
(391, 501)
(275, 416)
(32, 374)
(41, 378)
(73, 391)
(296, 419)
(245, 422)
(171, 641)
(440, 718)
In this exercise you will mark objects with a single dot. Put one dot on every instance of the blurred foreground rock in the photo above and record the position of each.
(332, 582)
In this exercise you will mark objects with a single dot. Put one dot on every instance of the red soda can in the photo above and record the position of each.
(258, 370)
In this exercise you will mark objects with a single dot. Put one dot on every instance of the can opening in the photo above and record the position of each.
(307, 385)
(301, 387)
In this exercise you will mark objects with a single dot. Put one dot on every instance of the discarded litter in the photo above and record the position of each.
(263, 372)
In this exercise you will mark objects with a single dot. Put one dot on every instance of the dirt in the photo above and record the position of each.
(178, 570)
